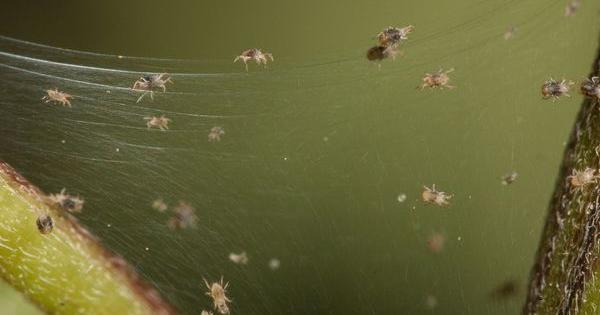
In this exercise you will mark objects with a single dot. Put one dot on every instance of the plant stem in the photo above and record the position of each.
(65, 271)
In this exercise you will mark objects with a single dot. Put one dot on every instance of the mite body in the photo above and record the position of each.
(218, 292)
(66, 202)
(215, 134)
(509, 178)
(151, 82)
(254, 54)
(438, 79)
(161, 122)
(590, 87)
(583, 178)
(433, 196)
(58, 97)
(184, 217)
(240, 259)
(44, 223)
(555, 89)
(377, 53)
(393, 36)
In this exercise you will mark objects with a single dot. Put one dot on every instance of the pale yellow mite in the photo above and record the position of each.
(217, 291)
(159, 205)
(240, 259)
(254, 54)
(161, 122)
(56, 96)
(583, 178)
(439, 79)
(215, 134)
(433, 196)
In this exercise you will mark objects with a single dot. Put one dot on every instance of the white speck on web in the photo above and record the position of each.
(401, 198)
(274, 264)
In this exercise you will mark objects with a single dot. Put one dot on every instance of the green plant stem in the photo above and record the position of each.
(65, 271)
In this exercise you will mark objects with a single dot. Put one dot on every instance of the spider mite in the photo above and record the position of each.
(509, 178)
(431, 302)
(159, 205)
(161, 122)
(435, 242)
(254, 54)
(44, 223)
(439, 79)
(583, 178)
(591, 87)
(433, 196)
(505, 290)
(215, 134)
(378, 53)
(183, 217)
(240, 259)
(554, 89)
(510, 33)
(149, 83)
(58, 97)
(393, 36)
(572, 7)
(66, 202)
(217, 291)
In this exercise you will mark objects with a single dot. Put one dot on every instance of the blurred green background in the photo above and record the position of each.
(317, 149)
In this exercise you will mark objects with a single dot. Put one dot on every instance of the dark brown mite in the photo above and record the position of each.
(377, 53)
(505, 290)
(591, 87)
(45, 224)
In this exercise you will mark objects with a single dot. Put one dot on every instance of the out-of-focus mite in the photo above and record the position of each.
(160, 205)
(378, 53)
(572, 7)
(274, 264)
(510, 33)
(240, 259)
(66, 202)
(509, 178)
(161, 122)
(435, 242)
(215, 134)
(505, 290)
(184, 216)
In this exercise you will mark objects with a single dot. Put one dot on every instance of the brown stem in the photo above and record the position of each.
(564, 274)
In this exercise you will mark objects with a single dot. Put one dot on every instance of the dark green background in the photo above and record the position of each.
(274, 187)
